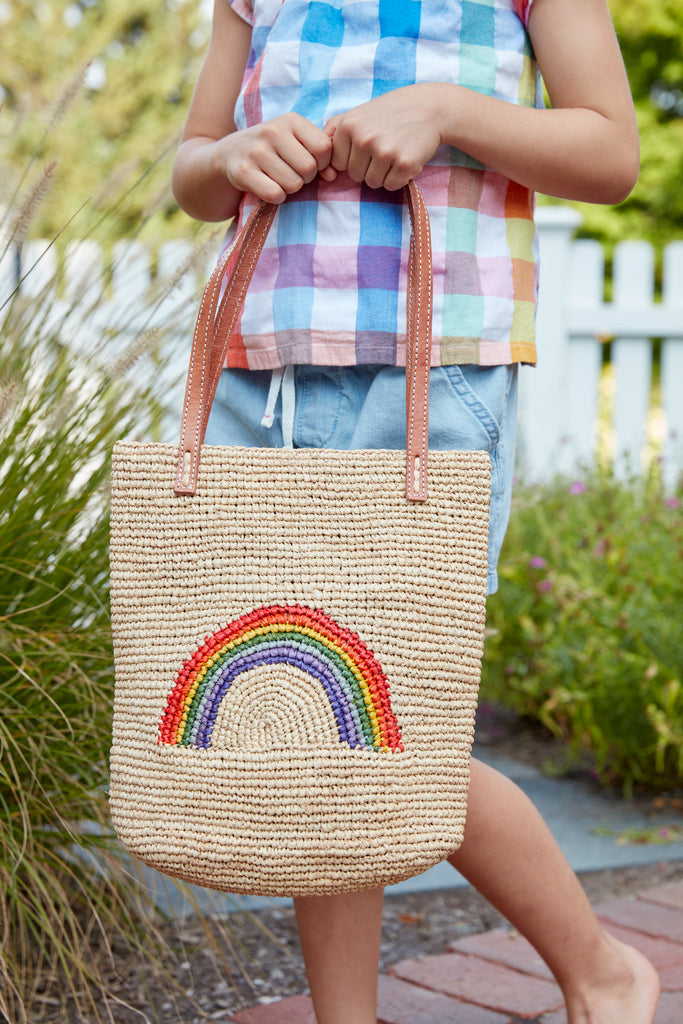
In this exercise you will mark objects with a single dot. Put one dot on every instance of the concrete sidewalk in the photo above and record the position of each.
(497, 978)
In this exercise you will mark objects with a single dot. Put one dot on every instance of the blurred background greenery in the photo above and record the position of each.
(126, 70)
(142, 57)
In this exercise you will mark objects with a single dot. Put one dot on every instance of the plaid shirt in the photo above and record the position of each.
(330, 287)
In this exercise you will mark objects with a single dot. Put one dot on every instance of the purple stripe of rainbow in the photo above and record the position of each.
(346, 714)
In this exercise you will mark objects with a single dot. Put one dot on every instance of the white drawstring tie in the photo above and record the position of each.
(281, 381)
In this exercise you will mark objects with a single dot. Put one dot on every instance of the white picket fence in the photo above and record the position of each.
(570, 406)
(569, 396)
(108, 305)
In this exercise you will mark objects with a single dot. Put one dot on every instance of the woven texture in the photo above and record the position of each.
(297, 652)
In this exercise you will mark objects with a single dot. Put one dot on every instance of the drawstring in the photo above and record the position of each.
(273, 392)
(282, 380)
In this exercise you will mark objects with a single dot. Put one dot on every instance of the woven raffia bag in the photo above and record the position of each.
(298, 636)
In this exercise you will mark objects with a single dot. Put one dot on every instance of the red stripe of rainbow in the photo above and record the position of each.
(263, 626)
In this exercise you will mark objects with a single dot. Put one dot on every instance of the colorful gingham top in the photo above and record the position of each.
(329, 288)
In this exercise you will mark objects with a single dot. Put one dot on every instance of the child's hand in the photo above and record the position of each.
(275, 159)
(388, 140)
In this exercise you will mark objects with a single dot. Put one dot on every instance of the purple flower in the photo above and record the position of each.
(673, 503)
(537, 562)
(545, 586)
(577, 487)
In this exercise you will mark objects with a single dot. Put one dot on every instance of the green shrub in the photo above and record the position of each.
(585, 631)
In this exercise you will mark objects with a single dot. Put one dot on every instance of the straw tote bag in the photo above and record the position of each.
(297, 634)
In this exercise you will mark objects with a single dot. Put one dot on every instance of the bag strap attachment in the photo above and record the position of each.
(219, 311)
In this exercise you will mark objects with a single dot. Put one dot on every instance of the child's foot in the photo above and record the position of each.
(629, 997)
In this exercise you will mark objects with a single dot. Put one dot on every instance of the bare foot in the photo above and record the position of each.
(630, 997)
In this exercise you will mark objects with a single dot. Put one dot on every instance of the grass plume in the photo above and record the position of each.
(28, 206)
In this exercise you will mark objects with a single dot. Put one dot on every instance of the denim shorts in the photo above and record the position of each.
(346, 407)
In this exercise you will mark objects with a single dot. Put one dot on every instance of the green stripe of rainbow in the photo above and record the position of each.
(307, 638)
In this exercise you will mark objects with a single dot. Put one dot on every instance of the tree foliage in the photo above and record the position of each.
(101, 87)
(650, 34)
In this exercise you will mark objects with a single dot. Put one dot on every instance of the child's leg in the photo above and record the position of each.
(510, 856)
(340, 937)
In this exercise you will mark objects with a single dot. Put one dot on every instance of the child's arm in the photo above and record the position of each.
(215, 164)
(585, 147)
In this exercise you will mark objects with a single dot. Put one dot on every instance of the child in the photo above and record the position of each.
(338, 104)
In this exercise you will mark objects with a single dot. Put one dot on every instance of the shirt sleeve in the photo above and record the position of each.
(523, 7)
(244, 9)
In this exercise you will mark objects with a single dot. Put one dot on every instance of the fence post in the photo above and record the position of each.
(587, 285)
(9, 272)
(634, 272)
(544, 404)
(38, 261)
(672, 370)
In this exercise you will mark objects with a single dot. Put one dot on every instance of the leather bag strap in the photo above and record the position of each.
(218, 314)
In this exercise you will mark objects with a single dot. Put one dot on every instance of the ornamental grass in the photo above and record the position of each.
(72, 906)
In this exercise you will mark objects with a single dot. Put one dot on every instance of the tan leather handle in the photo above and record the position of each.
(418, 346)
(218, 316)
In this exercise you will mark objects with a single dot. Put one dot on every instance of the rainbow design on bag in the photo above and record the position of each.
(307, 638)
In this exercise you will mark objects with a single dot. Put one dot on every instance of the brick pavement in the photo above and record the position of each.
(497, 978)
